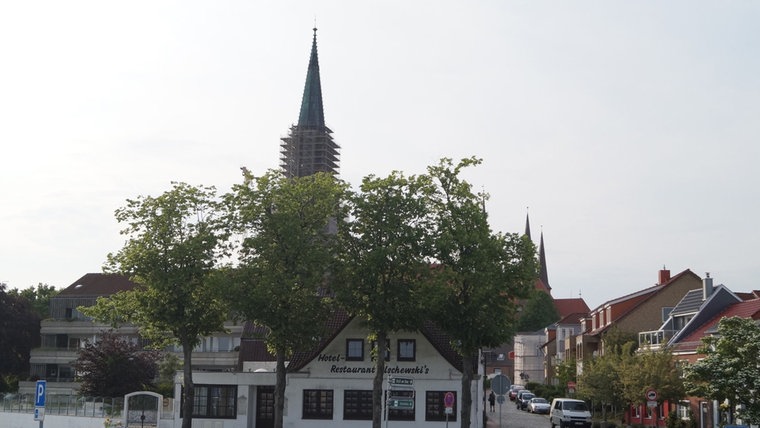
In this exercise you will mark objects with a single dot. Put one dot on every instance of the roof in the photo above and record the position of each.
(745, 309)
(689, 303)
(567, 307)
(253, 346)
(754, 294)
(640, 296)
(574, 318)
(98, 284)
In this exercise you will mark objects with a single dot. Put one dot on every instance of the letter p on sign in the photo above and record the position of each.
(39, 396)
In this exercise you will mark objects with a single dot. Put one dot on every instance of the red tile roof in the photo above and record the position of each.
(567, 307)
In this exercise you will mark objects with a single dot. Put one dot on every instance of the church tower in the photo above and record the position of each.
(309, 147)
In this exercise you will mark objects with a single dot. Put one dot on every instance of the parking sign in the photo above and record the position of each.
(39, 396)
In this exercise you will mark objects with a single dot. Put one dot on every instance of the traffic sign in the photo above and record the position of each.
(39, 396)
(406, 381)
(39, 413)
(449, 399)
(500, 399)
(500, 384)
(401, 403)
(651, 394)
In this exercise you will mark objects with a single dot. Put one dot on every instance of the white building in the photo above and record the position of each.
(331, 386)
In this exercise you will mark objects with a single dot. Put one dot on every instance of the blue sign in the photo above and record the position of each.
(39, 396)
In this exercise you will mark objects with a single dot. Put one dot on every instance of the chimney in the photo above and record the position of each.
(707, 286)
(664, 276)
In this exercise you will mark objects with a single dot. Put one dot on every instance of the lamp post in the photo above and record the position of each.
(484, 359)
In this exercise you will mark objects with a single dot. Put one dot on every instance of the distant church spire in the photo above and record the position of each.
(543, 273)
(527, 225)
(309, 147)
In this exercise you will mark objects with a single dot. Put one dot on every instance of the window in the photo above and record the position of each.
(317, 404)
(635, 411)
(215, 401)
(357, 405)
(407, 350)
(683, 409)
(401, 414)
(354, 349)
(435, 406)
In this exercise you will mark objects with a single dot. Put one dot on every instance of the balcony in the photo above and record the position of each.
(653, 340)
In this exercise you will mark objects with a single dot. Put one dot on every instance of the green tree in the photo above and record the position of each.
(384, 264)
(113, 367)
(284, 260)
(174, 242)
(730, 369)
(600, 381)
(566, 371)
(39, 298)
(482, 274)
(19, 334)
(539, 311)
(650, 370)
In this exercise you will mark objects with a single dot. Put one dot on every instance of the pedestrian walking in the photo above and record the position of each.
(492, 401)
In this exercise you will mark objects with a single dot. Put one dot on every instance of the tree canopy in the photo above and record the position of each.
(174, 242)
(730, 369)
(113, 367)
(482, 274)
(19, 333)
(284, 262)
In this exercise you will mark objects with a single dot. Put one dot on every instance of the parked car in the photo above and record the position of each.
(568, 412)
(513, 390)
(539, 405)
(522, 399)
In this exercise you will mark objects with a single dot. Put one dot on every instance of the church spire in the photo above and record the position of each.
(543, 274)
(312, 115)
(527, 225)
(309, 147)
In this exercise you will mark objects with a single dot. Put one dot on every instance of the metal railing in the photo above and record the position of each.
(65, 404)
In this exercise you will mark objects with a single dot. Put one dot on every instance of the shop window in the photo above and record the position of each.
(354, 349)
(357, 405)
(435, 407)
(214, 401)
(317, 404)
(407, 350)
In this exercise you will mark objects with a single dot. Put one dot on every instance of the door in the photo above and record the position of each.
(264, 407)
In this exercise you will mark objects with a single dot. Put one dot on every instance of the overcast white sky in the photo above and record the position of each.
(630, 128)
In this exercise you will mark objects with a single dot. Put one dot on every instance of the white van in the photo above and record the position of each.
(568, 412)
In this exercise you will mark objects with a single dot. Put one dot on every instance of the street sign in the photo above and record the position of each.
(500, 399)
(500, 384)
(651, 404)
(39, 413)
(405, 381)
(401, 403)
(448, 400)
(39, 396)
(651, 394)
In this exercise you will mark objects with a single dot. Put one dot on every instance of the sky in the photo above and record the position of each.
(627, 130)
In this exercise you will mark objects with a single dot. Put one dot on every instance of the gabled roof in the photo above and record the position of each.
(640, 297)
(745, 309)
(754, 294)
(719, 300)
(570, 306)
(253, 346)
(97, 284)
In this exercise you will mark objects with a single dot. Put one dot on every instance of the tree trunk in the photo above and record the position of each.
(188, 389)
(466, 408)
(279, 390)
(377, 383)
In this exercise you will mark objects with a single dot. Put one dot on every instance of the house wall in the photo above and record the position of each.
(648, 315)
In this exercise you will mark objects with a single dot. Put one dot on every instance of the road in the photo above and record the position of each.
(513, 418)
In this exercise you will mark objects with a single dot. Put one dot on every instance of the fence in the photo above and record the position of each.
(73, 405)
